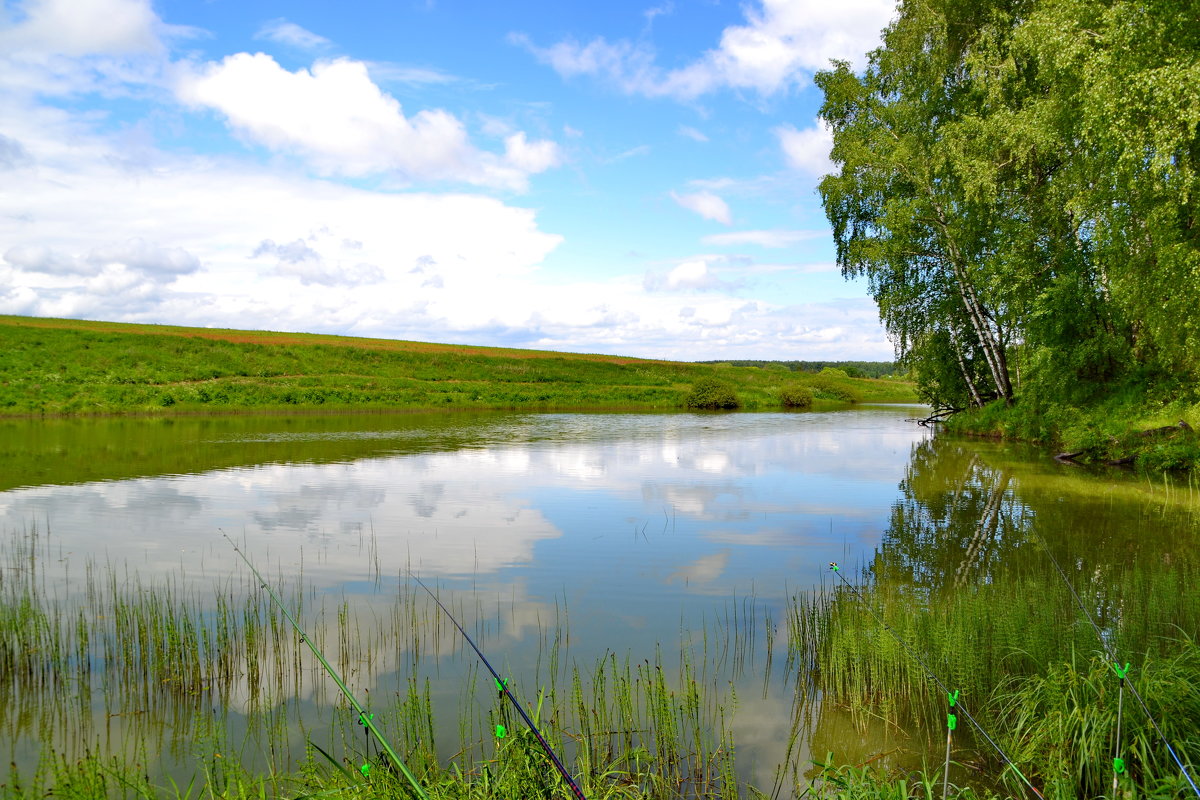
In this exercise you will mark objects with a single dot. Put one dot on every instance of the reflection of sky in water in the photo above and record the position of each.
(640, 523)
(633, 508)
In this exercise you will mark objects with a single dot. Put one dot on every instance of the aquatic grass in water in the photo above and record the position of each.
(1063, 723)
(1019, 652)
(158, 671)
(107, 679)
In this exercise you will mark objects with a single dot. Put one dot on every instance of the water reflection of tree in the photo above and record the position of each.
(957, 523)
(970, 516)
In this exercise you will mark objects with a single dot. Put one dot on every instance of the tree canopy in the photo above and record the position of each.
(1019, 181)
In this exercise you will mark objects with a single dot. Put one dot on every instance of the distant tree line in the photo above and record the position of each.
(853, 369)
(1019, 182)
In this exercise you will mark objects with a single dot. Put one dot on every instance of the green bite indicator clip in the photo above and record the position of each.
(833, 566)
(1116, 667)
(365, 769)
(501, 686)
(500, 731)
(951, 719)
(1119, 765)
(364, 718)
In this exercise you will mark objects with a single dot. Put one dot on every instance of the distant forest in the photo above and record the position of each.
(853, 369)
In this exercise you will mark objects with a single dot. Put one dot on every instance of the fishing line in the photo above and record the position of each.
(364, 718)
(1108, 652)
(502, 685)
(962, 709)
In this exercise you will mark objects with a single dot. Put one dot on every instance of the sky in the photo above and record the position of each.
(635, 178)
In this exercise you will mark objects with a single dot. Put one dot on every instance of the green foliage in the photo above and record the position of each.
(712, 395)
(796, 396)
(1020, 183)
(835, 385)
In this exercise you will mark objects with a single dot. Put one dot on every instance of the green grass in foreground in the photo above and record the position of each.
(67, 367)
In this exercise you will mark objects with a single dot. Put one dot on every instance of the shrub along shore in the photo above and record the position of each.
(1123, 432)
(60, 367)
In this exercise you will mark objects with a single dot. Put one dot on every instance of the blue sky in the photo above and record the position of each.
(631, 178)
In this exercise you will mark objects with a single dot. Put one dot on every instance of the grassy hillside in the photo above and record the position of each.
(59, 366)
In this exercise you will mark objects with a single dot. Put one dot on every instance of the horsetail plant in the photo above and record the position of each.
(364, 717)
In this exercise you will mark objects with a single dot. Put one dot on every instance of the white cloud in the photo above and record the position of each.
(63, 47)
(807, 150)
(770, 239)
(385, 72)
(46, 260)
(134, 256)
(686, 276)
(83, 27)
(146, 257)
(289, 33)
(297, 259)
(455, 267)
(531, 157)
(630, 66)
(692, 133)
(338, 119)
(706, 204)
(633, 152)
(780, 45)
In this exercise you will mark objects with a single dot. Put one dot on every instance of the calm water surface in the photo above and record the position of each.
(642, 530)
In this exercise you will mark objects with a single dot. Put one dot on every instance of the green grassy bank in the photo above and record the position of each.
(73, 367)
(1128, 429)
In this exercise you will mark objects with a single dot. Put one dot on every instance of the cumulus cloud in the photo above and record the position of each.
(46, 260)
(686, 276)
(61, 47)
(134, 256)
(807, 150)
(83, 27)
(338, 119)
(769, 239)
(146, 257)
(299, 260)
(706, 204)
(780, 45)
(531, 157)
(177, 245)
(289, 33)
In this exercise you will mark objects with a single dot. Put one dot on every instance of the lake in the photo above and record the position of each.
(562, 542)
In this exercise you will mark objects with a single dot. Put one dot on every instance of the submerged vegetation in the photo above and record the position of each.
(66, 367)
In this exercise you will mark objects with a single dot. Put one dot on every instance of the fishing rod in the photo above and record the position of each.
(364, 718)
(1111, 655)
(502, 685)
(954, 697)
